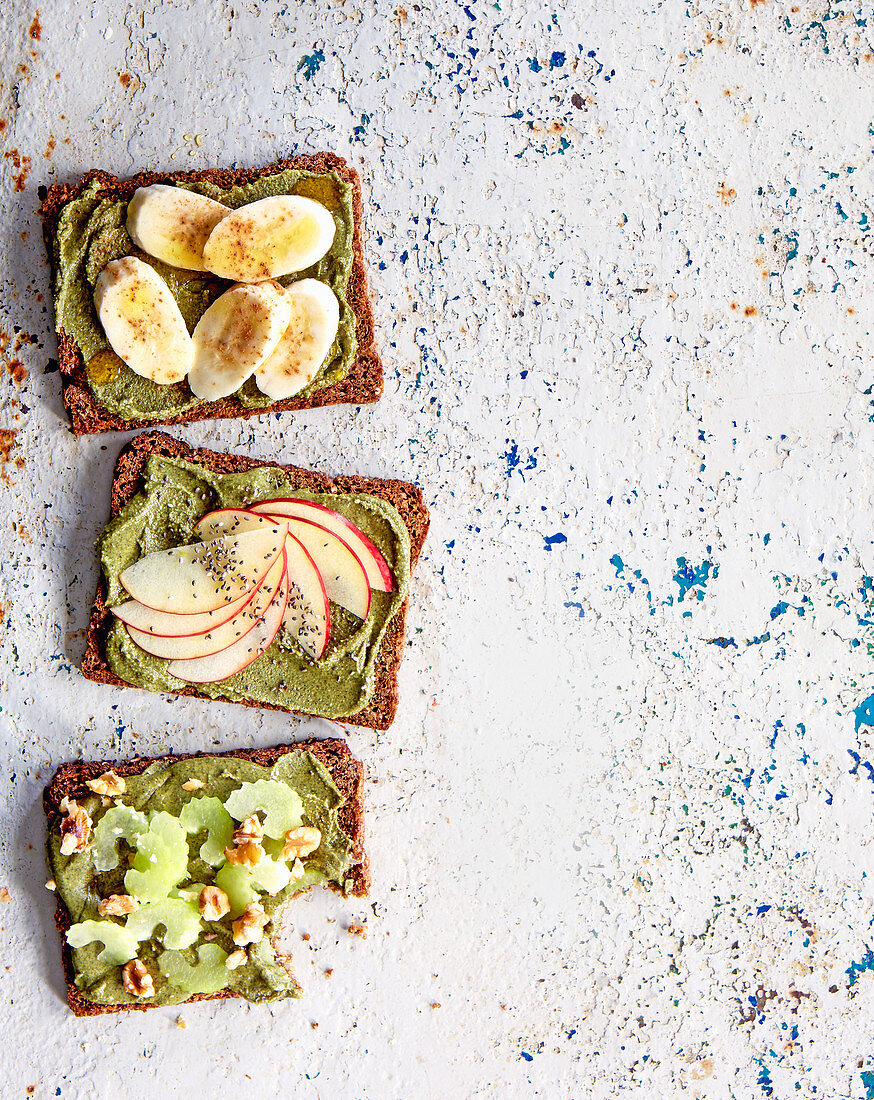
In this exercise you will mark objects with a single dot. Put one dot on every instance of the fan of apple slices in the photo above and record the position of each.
(211, 608)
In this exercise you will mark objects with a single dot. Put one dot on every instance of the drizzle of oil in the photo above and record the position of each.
(103, 367)
(321, 189)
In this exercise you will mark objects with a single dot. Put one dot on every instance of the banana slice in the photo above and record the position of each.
(294, 362)
(235, 335)
(172, 224)
(268, 238)
(142, 321)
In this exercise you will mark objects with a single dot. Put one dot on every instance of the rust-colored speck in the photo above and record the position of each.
(850, 310)
(402, 15)
(22, 69)
(3, 124)
(750, 311)
(7, 442)
(124, 80)
(757, 3)
(50, 145)
(21, 164)
(555, 128)
(727, 194)
(18, 371)
(35, 28)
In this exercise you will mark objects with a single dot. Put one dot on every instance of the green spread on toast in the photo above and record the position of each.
(174, 496)
(158, 795)
(91, 232)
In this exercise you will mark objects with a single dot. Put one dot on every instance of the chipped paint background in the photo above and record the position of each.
(621, 262)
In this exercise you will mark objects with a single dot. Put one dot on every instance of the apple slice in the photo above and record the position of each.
(203, 576)
(342, 573)
(307, 616)
(164, 624)
(202, 645)
(375, 566)
(219, 666)
(231, 521)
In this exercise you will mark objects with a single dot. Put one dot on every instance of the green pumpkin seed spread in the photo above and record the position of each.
(91, 232)
(163, 514)
(160, 789)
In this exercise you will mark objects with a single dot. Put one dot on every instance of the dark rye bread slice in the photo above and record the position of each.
(348, 775)
(362, 384)
(405, 496)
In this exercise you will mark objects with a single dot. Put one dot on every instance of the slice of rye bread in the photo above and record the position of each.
(348, 775)
(405, 496)
(362, 384)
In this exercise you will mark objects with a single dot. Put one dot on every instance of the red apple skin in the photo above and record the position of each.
(228, 612)
(327, 609)
(247, 658)
(381, 573)
(141, 638)
(333, 535)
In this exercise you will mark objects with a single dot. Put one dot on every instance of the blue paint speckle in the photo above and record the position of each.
(693, 578)
(310, 64)
(557, 60)
(554, 540)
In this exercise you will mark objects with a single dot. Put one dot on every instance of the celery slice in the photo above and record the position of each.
(118, 823)
(209, 813)
(161, 861)
(119, 945)
(180, 918)
(208, 975)
(238, 885)
(280, 805)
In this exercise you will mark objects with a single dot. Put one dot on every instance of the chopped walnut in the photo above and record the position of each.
(300, 842)
(108, 784)
(247, 850)
(358, 930)
(213, 903)
(236, 959)
(75, 828)
(192, 784)
(137, 980)
(249, 928)
(51, 885)
(117, 905)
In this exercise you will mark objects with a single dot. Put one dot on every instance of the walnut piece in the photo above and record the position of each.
(213, 903)
(192, 784)
(137, 980)
(249, 927)
(108, 784)
(300, 842)
(247, 850)
(117, 905)
(75, 828)
(236, 959)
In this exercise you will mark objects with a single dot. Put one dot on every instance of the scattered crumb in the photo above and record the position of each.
(358, 930)
(4, 894)
(435, 1004)
(51, 884)
(329, 972)
(35, 28)
(181, 1023)
(313, 1025)
(305, 936)
(192, 785)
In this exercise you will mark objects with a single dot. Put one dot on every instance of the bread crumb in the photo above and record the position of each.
(435, 1004)
(358, 930)
(192, 784)
(51, 884)
(181, 1023)
(329, 972)
(305, 936)
(313, 1025)
(4, 894)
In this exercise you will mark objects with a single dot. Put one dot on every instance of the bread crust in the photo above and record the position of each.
(70, 781)
(363, 383)
(406, 497)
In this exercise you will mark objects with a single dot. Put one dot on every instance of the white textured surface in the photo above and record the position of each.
(621, 263)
